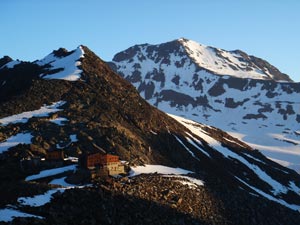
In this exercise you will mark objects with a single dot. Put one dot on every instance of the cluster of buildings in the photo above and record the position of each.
(95, 164)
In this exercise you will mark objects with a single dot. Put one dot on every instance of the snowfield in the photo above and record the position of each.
(277, 188)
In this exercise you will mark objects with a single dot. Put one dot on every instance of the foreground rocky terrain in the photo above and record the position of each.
(148, 199)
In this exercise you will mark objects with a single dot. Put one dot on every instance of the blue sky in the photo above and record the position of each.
(269, 29)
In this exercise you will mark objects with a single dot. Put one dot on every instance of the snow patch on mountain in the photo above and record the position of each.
(66, 67)
(8, 214)
(51, 172)
(60, 121)
(73, 138)
(189, 151)
(25, 116)
(62, 182)
(193, 140)
(10, 64)
(39, 200)
(21, 138)
(185, 180)
(137, 170)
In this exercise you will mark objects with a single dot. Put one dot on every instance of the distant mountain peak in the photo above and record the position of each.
(230, 90)
(214, 60)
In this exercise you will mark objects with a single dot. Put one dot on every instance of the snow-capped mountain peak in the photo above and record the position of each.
(62, 64)
(234, 63)
(187, 54)
(226, 89)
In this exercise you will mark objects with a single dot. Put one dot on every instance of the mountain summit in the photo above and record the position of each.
(73, 101)
(187, 53)
(241, 94)
(233, 63)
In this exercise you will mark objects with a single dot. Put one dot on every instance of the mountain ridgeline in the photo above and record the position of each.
(104, 111)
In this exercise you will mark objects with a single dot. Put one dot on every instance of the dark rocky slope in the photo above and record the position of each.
(149, 199)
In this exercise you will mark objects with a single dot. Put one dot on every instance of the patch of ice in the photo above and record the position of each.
(39, 200)
(153, 132)
(256, 159)
(21, 138)
(185, 147)
(7, 215)
(73, 138)
(68, 64)
(11, 64)
(192, 182)
(51, 172)
(293, 187)
(157, 169)
(23, 117)
(72, 159)
(196, 146)
(59, 121)
(62, 182)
